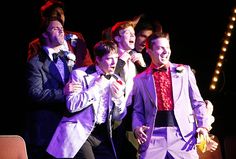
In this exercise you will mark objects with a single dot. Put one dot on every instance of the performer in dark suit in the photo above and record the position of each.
(74, 41)
(47, 73)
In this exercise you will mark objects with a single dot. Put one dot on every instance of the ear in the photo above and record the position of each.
(117, 39)
(97, 59)
(45, 35)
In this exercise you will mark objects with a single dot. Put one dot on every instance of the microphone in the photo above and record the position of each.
(138, 63)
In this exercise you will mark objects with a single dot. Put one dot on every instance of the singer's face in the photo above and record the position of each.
(160, 52)
(55, 34)
(127, 38)
(141, 38)
(108, 62)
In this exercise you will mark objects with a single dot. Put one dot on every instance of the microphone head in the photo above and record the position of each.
(132, 52)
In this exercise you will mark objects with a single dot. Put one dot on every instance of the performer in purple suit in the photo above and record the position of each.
(168, 108)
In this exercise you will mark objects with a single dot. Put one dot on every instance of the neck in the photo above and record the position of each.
(159, 66)
(121, 51)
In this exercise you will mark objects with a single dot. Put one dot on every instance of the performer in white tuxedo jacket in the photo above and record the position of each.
(87, 130)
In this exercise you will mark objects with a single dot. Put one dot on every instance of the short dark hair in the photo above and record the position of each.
(148, 23)
(104, 47)
(154, 36)
(143, 26)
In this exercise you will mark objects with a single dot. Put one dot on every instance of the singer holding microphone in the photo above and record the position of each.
(86, 130)
(124, 35)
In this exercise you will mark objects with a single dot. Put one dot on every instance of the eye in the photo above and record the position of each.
(160, 48)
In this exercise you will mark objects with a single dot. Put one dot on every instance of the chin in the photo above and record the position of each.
(111, 72)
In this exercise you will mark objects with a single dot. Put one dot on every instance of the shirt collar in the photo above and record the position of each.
(162, 68)
(49, 51)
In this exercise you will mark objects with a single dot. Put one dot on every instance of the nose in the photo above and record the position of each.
(132, 34)
(165, 50)
(113, 61)
(61, 29)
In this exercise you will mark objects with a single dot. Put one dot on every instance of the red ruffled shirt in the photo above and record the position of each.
(163, 86)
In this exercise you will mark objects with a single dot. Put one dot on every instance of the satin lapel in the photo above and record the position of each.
(177, 83)
(88, 79)
(66, 69)
(149, 87)
(51, 68)
(119, 66)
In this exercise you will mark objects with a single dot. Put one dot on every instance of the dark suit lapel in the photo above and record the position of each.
(90, 70)
(66, 69)
(119, 66)
(49, 67)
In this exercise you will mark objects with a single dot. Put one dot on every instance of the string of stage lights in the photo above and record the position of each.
(225, 44)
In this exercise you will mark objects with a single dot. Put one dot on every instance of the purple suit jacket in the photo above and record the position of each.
(188, 103)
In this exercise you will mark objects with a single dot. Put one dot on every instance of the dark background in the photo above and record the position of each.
(196, 30)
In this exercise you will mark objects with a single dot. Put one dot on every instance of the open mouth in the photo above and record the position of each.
(131, 41)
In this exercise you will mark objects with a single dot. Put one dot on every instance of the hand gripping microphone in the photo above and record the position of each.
(137, 63)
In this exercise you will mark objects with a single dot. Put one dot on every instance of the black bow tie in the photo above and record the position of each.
(55, 57)
(107, 76)
(161, 69)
